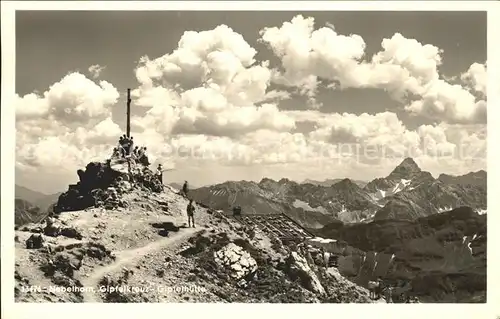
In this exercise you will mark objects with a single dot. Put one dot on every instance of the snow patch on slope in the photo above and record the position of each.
(444, 209)
(401, 185)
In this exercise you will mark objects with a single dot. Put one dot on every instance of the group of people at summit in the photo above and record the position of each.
(127, 150)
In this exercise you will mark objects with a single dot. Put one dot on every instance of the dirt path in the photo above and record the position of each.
(129, 257)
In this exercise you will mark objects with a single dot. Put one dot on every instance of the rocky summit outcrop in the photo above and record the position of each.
(103, 183)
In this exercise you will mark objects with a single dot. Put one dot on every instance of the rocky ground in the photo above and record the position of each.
(443, 256)
(140, 250)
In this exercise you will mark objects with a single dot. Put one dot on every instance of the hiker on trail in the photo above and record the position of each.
(185, 189)
(159, 173)
(190, 213)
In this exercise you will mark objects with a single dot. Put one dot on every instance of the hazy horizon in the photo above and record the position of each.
(244, 180)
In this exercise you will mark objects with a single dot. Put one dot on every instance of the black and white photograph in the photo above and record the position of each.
(190, 156)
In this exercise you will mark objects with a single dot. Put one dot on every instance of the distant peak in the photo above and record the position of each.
(406, 169)
(346, 182)
(266, 180)
(284, 181)
(408, 162)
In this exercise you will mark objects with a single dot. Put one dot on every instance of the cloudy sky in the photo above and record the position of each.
(243, 95)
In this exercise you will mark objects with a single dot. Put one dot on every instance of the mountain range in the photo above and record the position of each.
(406, 193)
(330, 182)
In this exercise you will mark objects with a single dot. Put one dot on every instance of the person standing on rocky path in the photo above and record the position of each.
(185, 189)
(190, 213)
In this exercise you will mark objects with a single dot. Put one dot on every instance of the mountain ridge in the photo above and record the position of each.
(401, 194)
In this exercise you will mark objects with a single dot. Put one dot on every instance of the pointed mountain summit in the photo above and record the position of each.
(406, 170)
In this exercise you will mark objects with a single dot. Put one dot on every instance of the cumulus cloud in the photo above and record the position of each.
(95, 70)
(73, 100)
(211, 101)
(374, 138)
(211, 84)
(70, 122)
(477, 77)
(451, 102)
(406, 68)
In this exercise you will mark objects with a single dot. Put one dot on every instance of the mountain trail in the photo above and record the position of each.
(129, 257)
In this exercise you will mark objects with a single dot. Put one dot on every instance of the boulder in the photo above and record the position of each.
(298, 268)
(55, 228)
(35, 241)
(64, 263)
